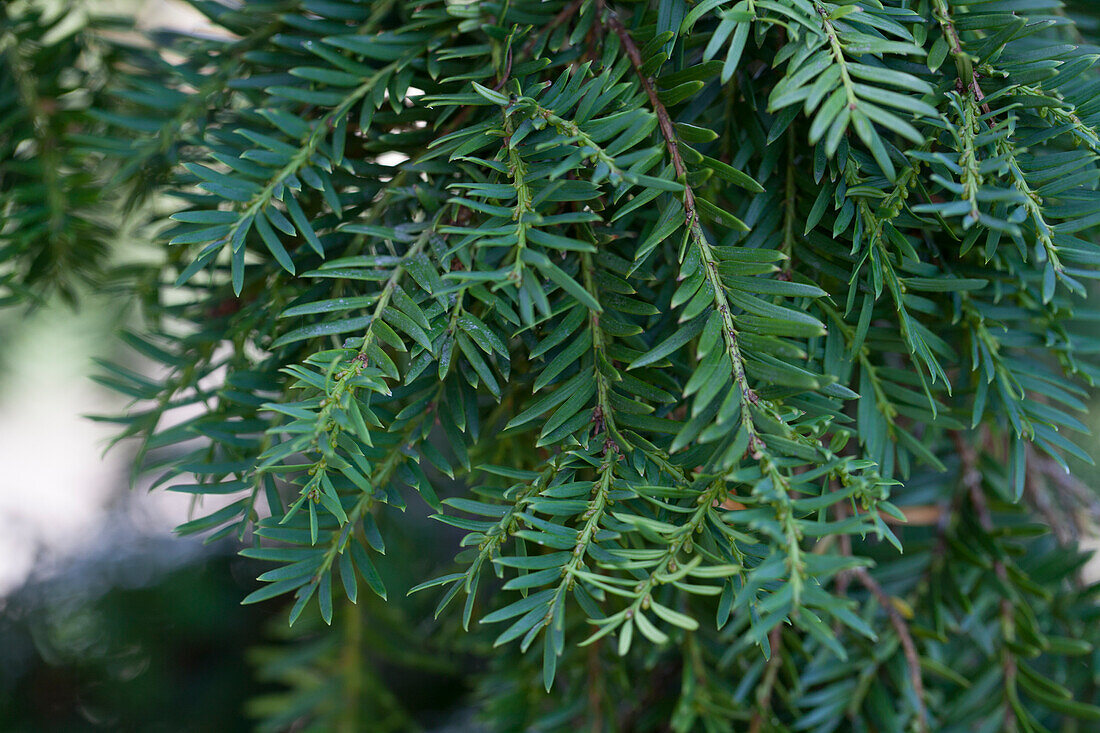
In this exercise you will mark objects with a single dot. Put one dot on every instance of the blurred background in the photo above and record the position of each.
(108, 621)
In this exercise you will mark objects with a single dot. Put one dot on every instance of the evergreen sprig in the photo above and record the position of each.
(696, 314)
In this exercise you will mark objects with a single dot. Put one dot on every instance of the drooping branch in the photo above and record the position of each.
(691, 216)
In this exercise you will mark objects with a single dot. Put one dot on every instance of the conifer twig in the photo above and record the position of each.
(968, 77)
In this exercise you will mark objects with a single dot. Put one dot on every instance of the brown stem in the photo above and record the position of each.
(968, 77)
(789, 212)
(668, 132)
(901, 628)
(972, 482)
(1036, 490)
(749, 397)
(1065, 501)
(764, 694)
(507, 70)
(912, 659)
(845, 544)
(566, 13)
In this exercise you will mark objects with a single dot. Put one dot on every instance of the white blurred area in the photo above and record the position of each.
(170, 14)
(66, 501)
(62, 498)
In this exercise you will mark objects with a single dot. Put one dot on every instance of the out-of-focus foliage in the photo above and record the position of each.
(55, 209)
(745, 343)
(179, 654)
(166, 657)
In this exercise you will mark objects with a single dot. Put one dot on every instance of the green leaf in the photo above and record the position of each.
(733, 175)
(670, 345)
(555, 273)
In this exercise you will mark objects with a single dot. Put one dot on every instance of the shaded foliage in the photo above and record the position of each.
(691, 317)
(169, 656)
